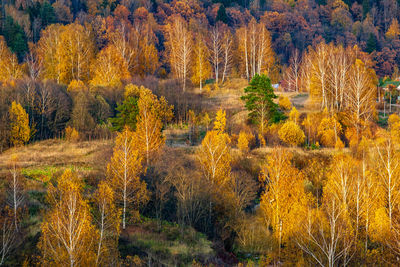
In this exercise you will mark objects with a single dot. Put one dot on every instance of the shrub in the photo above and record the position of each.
(315, 146)
(294, 115)
(393, 119)
(71, 134)
(243, 142)
(263, 143)
(291, 134)
(328, 131)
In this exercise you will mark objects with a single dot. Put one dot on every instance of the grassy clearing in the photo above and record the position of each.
(41, 160)
(168, 246)
(45, 174)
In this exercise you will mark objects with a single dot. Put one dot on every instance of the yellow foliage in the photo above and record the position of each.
(243, 142)
(328, 131)
(71, 134)
(67, 230)
(107, 218)
(10, 70)
(351, 135)
(207, 89)
(394, 30)
(339, 144)
(110, 68)
(19, 124)
(291, 134)
(284, 103)
(66, 52)
(283, 210)
(206, 120)
(152, 113)
(124, 173)
(220, 121)
(132, 90)
(394, 127)
(75, 49)
(263, 143)
(310, 124)
(395, 132)
(294, 115)
(202, 67)
(394, 118)
(380, 225)
(214, 157)
(76, 86)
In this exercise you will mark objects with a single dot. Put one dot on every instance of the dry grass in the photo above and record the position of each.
(227, 97)
(52, 154)
(300, 100)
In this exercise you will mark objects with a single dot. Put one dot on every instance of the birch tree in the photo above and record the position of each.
(124, 175)
(214, 154)
(107, 219)
(361, 95)
(227, 47)
(216, 50)
(388, 172)
(280, 209)
(293, 72)
(255, 49)
(68, 234)
(201, 66)
(8, 234)
(15, 191)
(152, 113)
(179, 45)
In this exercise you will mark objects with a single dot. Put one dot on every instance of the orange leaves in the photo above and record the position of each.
(243, 141)
(136, 45)
(19, 123)
(284, 201)
(329, 131)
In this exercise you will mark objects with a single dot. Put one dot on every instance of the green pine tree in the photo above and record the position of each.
(259, 97)
(372, 43)
(221, 15)
(15, 37)
(127, 114)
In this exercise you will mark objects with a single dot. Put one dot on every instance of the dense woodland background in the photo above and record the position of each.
(107, 44)
(199, 133)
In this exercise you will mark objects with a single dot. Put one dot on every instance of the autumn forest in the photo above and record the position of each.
(200, 133)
